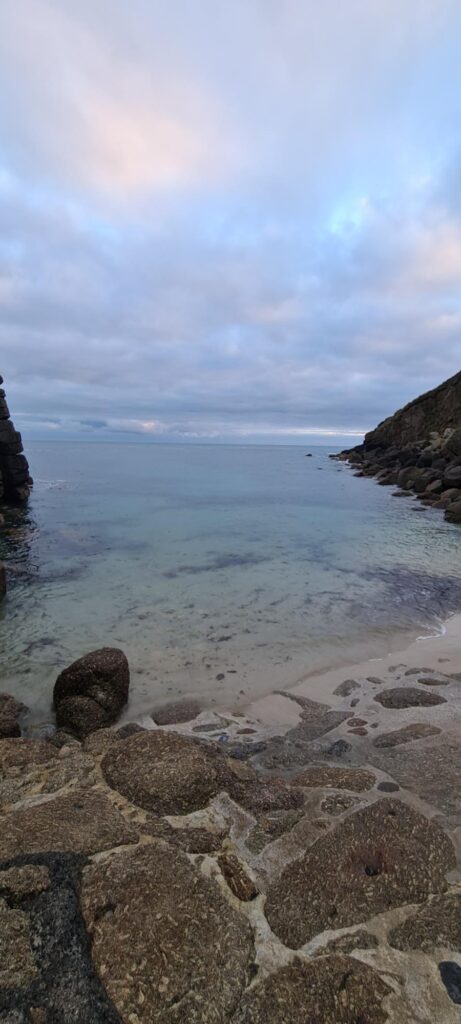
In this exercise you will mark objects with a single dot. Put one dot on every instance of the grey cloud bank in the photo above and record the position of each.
(227, 221)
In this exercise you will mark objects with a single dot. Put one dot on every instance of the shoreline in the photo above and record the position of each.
(266, 713)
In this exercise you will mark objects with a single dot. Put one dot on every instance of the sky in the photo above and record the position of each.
(227, 220)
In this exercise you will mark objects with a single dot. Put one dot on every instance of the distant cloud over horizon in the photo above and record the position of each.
(227, 221)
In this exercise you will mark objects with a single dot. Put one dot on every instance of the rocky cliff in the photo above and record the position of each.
(15, 480)
(419, 449)
(434, 412)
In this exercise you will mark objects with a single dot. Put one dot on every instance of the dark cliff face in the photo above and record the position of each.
(435, 411)
(14, 469)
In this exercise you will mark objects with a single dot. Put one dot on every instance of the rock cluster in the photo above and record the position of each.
(418, 449)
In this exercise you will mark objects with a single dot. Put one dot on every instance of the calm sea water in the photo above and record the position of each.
(223, 572)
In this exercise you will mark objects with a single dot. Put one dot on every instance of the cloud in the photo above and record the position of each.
(227, 220)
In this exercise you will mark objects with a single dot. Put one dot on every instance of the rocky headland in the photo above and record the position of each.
(207, 866)
(15, 479)
(418, 450)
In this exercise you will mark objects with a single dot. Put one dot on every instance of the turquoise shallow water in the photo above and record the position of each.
(252, 564)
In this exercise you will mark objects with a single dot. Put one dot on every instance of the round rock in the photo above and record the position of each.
(91, 692)
(162, 772)
(164, 941)
(399, 697)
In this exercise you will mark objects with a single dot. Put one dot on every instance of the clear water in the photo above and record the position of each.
(252, 564)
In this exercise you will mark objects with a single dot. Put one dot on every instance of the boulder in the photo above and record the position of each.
(435, 487)
(453, 443)
(165, 942)
(407, 476)
(453, 512)
(452, 477)
(398, 697)
(328, 990)
(423, 478)
(10, 713)
(2, 581)
(91, 693)
(381, 857)
(448, 496)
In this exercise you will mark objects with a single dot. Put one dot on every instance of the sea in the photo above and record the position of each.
(223, 571)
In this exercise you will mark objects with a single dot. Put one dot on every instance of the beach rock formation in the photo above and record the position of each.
(164, 941)
(419, 449)
(331, 990)
(436, 924)
(14, 469)
(162, 772)
(91, 693)
(369, 863)
(399, 697)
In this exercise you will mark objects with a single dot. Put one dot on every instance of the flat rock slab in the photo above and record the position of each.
(437, 924)
(330, 990)
(191, 840)
(81, 823)
(361, 939)
(17, 964)
(346, 688)
(431, 770)
(21, 781)
(162, 772)
(433, 681)
(298, 747)
(24, 881)
(418, 731)
(327, 776)
(270, 827)
(315, 724)
(408, 697)
(16, 753)
(164, 941)
(176, 712)
(380, 857)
